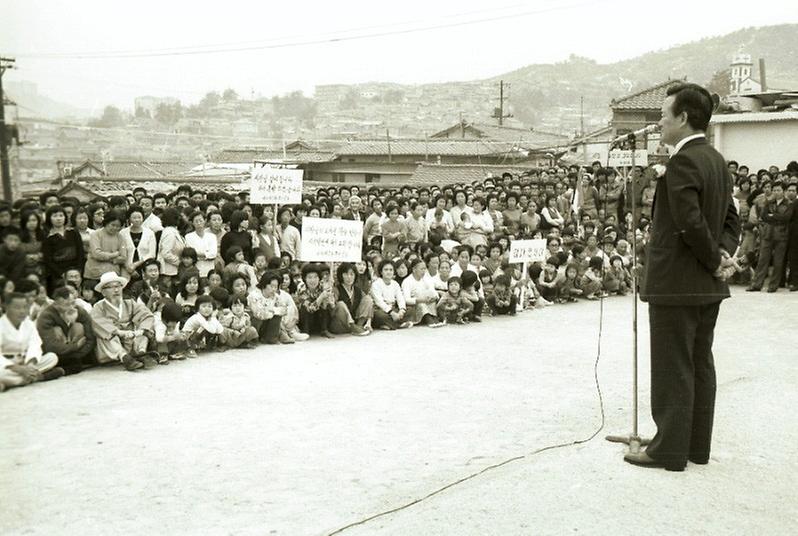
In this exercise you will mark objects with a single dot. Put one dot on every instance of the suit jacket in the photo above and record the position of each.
(776, 217)
(693, 218)
(350, 215)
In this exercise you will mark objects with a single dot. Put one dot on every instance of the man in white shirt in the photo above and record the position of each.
(21, 358)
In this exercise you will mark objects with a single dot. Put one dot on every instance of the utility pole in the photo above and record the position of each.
(5, 63)
(582, 128)
(498, 113)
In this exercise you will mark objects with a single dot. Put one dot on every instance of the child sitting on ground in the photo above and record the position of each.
(203, 328)
(470, 290)
(452, 307)
(591, 281)
(548, 284)
(501, 299)
(238, 332)
(571, 287)
(169, 338)
(616, 278)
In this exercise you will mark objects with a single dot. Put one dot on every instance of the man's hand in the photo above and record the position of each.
(28, 373)
(727, 267)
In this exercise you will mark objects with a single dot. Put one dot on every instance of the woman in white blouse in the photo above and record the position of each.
(481, 225)
(420, 296)
(389, 302)
(204, 243)
(140, 241)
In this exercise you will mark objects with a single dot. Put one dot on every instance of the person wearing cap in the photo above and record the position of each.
(124, 327)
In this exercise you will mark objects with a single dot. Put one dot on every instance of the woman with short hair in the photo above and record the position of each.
(62, 248)
(171, 245)
(390, 307)
(139, 240)
(107, 250)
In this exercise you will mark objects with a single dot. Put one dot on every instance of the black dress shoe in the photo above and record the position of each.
(698, 461)
(772, 290)
(753, 289)
(641, 459)
(793, 288)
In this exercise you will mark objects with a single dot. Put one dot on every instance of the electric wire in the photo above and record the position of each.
(312, 41)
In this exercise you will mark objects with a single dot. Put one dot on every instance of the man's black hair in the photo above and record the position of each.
(695, 101)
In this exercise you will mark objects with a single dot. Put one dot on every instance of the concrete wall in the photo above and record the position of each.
(758, 145)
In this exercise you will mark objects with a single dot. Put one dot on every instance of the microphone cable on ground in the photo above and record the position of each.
(509, 460)
(603, 202)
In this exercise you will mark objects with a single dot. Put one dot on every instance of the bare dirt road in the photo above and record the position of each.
(305, 439)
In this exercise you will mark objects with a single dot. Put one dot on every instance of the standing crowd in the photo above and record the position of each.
(141, 280)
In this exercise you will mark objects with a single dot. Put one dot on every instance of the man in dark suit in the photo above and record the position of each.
(694, 229)
(355, 210)
(792, 231)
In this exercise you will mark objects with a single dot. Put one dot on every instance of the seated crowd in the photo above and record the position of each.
(145, 279)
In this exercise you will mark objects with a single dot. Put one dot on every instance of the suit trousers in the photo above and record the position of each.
(792, 258)
(682, 381)
(770, 250)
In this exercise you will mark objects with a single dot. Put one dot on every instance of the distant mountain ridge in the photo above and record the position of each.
(543, 96)
(536, 89)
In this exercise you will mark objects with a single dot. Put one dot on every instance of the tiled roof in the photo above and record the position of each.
(755, 117)
(525, 137)
(248, 155)
(432, 147)
(648, 99)
(447, 174)
(123, 169)
(112, 187)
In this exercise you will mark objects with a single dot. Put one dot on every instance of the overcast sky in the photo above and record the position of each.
(511, 34)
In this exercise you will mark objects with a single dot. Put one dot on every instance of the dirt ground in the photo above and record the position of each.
(305, 439)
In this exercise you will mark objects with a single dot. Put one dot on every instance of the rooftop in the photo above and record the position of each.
(448, 174)
(647, 99)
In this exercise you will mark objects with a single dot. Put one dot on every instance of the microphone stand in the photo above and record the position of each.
(633, 440)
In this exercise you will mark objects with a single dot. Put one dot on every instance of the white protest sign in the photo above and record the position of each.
(528, 250)
(619, 158)
(276, 186)
(326, 240)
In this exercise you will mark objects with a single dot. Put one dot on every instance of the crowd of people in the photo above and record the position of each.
(141, 280)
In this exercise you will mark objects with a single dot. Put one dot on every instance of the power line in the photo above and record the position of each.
(305, 42)
(256, 42)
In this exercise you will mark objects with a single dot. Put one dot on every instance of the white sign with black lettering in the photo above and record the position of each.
(276, 186)
(528, 250)
(326, 240)
(619, 158)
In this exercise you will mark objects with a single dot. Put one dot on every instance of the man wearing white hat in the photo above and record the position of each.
(124, 327)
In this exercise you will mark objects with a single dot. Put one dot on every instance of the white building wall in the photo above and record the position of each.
(758, 145)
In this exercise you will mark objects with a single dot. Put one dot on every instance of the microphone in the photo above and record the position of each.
(650, 129)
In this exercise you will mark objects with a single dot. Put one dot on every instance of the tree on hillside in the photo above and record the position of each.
(112, 117)
(720, 83)
(229, 95)
(169, 114)
(141, 113)
(295, 104)
(210, 100)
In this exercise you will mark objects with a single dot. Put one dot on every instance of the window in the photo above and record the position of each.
(372, 177)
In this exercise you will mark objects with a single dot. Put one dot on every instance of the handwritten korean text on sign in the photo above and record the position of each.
(619, 158)
(331, 240)
(528, 250)
(276, 186)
